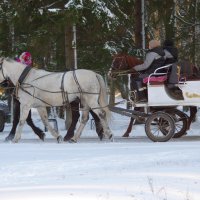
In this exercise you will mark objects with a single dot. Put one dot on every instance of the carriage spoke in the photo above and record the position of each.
(159, 127)
(181, 122)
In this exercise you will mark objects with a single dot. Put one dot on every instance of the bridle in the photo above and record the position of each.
(1, 68)
(7, 81)
(122, 60)
(114, 72)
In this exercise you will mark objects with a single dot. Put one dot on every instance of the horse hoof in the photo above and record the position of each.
(125, 135)
(42, 136)
(111, 138)
(9, 138)
(72, 140)
(15, 140)
(67, 138)
(101, 137)
(59, 139)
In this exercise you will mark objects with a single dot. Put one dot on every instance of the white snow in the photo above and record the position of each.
(132, 168)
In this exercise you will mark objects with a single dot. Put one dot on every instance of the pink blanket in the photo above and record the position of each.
(159, 79)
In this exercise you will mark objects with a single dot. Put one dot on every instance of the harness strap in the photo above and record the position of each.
(1, 63)
(64, 93)
(35, 97)
(79, 88)
(24, 74)
(21, 79)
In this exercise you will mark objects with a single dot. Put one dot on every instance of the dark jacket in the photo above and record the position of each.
(155, 58)
(171, 54)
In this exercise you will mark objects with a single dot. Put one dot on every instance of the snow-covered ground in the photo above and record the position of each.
(134, 168)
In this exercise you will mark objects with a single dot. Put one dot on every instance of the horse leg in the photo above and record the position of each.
(44, 117)
(193, 112)
(24, 110)
(75, 116)
(36, 130)
(102, 116)
(84, 119)
(129, 129)
(16, 116)
(99, 127)
(130, 126)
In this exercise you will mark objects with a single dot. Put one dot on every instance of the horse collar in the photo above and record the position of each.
(24, 75)
(21, 79)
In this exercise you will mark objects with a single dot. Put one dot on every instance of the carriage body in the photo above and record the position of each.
(160, 97)
(159, 94)
(162, 118)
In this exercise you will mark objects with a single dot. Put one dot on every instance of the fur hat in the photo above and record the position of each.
(154, 44)
(25, 58)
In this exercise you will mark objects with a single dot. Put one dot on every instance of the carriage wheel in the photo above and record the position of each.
(156, 123)
(181, 122)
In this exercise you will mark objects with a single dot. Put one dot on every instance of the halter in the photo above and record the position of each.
(123, 58)
(113, 72)
(1, 68)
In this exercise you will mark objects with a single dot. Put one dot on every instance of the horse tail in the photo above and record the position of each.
(103, 97)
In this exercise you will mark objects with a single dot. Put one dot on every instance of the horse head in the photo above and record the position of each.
(10, 70)
(122, 63)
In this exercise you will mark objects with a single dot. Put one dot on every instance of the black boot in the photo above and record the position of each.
(142, 96)
(139, 92)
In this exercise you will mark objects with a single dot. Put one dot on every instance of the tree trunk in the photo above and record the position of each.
(138, 24)
(168, 18)
(112, 93)
(68, 47)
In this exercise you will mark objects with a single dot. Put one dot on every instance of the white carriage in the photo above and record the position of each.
(159, 94)
(166, 121)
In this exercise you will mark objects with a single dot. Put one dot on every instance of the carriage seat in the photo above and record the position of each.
(159, 76)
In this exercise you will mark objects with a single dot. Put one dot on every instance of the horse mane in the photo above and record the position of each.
(10, 60)
(131, 60)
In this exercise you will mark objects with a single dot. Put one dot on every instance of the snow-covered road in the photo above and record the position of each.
(135, 168)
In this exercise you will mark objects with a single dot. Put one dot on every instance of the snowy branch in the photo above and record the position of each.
(188, 23)
(50, 5)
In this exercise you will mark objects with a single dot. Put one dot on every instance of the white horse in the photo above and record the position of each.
(40, 89)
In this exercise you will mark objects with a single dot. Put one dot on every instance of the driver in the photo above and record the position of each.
(171, 52)
(155, 58)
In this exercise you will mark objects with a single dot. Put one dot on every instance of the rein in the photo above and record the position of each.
(44, 76)
(24, 86)
(118, 70)
(124, 72)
